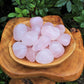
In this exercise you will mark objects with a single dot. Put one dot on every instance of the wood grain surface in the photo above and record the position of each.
(78, 36)
(0, 54)
(39, 80)
(16, 81)
(69, 70)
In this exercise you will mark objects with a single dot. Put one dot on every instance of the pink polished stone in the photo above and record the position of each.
(61, 28)
(44, 56)
(42, 43)
(48, 24)
(28, 28)
(36, 22)
(19, 50)
(30, 38)
(19, 31)
(36, 29)
(52, 32)
(57, 49)
(31, 55)
(65, 39)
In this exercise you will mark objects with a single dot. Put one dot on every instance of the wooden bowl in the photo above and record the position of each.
(68, 51)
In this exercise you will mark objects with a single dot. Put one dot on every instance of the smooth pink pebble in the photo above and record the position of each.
(44, 56)
(61, 28)
(36, 29)
(36, 22)
(48, 24)
(42, 43)
(50, 31)
(19, 50)
(30, 38)
(64, 39)
(31, 55)
(28, 28)
(57, 49)
(19, 31)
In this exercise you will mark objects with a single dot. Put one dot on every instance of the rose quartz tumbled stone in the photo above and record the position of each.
(52, 32)
(36, 22)
(30, 38)
(19, 50)
(64, 39)
(31, 55)
(42, 43)
(48, 24)
(28, 28)
(57, 49)
(44, 56)
(61, 28)
(36, 29)
(19, 31)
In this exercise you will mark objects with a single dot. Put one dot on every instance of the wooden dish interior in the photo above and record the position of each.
(68, 51)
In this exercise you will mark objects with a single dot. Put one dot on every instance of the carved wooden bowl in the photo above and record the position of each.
(68, 51)
(69, 70)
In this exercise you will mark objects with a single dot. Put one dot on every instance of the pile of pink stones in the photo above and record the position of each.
(41, 43)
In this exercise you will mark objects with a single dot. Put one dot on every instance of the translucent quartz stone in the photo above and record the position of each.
(48, 24)
(65, 39)
(19, 50)
(61, 28)
(28, 29)
(31, 55)
(30, 38)
(42, 43)
(44, 56)
(36, 22)
(36, 29)
(57, 49)
(19, 31)
(50, 31)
